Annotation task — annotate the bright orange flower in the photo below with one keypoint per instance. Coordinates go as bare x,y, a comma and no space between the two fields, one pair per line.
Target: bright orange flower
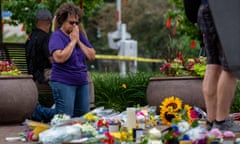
168,24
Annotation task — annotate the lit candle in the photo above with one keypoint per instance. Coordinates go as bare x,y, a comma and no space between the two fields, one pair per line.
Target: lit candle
131,117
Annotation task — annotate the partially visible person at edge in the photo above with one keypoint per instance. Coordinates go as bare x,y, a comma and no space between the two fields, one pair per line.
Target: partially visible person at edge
70,50
219,84
39,60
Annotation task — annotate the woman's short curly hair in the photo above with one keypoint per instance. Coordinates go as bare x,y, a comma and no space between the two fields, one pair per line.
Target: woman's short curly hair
65,10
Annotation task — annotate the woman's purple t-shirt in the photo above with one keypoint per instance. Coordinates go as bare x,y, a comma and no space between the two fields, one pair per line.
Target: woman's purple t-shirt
74,70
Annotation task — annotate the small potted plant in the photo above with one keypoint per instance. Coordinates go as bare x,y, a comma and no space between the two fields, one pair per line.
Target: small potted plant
181,66
18,94
181,77
9,68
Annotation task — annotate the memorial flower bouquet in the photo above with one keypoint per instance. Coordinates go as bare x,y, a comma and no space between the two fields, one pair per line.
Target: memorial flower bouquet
173,111
174,135
183,121
181,66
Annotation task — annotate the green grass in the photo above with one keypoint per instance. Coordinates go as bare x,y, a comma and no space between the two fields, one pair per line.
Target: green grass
15,39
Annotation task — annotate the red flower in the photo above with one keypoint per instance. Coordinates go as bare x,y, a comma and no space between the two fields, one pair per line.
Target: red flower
193,44
23,28
100,123
193,114
180,56
168,24
190,65
109,140
174,31
165,67
198,60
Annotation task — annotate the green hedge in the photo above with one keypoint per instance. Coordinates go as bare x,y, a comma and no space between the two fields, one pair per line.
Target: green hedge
110,93
118,93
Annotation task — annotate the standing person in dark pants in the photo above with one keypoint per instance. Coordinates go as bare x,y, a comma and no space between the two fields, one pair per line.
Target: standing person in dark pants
219,83
70,50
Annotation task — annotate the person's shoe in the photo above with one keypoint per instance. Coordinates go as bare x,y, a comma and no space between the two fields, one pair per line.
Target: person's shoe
53,106
209,125
227,125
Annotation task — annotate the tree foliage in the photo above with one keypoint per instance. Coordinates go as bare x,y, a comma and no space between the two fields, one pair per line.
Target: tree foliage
186,37
24,11
146,22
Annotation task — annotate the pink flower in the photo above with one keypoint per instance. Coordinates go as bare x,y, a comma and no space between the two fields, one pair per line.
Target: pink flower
165,66
228,134
216,133
176,133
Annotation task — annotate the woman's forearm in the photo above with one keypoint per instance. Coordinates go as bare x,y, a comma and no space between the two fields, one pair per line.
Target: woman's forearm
90,53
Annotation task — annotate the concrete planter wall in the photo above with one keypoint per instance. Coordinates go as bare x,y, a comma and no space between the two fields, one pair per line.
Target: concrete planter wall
188,89
18,98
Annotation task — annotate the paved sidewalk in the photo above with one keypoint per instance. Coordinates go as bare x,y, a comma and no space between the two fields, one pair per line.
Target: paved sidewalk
15,130
12,131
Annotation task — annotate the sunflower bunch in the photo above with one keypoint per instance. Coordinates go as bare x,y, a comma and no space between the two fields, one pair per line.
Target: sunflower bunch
181,119
172,112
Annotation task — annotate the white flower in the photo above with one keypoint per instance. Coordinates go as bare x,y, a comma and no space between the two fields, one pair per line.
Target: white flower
183,126
88,129
58,119
154,142
155,133
140,118
195,133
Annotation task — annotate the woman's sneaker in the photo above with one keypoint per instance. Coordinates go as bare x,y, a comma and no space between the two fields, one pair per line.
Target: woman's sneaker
227,125
209,125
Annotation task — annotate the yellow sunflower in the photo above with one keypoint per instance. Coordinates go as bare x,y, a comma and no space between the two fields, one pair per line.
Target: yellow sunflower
188,113
169,110
166,117
173,102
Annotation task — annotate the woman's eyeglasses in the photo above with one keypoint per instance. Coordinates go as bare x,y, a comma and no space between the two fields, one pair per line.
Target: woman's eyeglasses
73,22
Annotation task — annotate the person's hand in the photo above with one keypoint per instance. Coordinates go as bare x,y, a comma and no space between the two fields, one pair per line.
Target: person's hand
74,35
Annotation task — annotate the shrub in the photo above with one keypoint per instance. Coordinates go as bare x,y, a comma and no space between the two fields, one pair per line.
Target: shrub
118,93
236,101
